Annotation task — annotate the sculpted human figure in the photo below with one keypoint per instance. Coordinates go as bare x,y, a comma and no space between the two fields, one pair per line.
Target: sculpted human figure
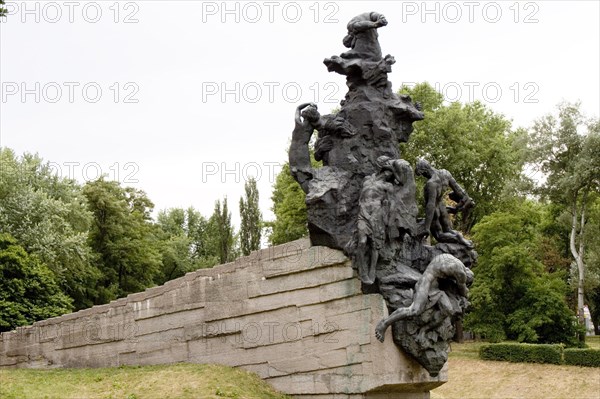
437,222
374,208
444,266
380,216
307,119
362,36
400,218
329,126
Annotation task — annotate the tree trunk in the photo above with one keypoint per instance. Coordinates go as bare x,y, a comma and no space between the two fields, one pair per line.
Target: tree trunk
578,255
459,333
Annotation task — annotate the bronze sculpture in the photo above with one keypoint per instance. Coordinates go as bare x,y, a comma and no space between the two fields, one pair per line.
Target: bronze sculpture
363,200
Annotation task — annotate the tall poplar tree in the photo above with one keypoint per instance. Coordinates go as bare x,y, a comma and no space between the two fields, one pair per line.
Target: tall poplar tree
222,239
251,224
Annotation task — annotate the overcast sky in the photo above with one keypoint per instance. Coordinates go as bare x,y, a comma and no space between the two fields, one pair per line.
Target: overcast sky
186,99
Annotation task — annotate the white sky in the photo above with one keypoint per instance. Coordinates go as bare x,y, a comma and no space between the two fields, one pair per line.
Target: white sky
185,143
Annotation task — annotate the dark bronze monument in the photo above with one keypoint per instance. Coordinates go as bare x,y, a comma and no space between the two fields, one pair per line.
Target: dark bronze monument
363,200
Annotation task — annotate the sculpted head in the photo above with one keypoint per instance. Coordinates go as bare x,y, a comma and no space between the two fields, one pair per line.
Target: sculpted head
383,161
423,168
311,114
403,171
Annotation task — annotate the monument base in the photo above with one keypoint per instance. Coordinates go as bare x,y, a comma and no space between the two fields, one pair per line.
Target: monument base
293,314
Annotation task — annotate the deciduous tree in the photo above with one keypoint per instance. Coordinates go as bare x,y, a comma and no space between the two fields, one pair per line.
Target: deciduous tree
566,150
123,239
513,295
184,243
28,290
47,215
478,146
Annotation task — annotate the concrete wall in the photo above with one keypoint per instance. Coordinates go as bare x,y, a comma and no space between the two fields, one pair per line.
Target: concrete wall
294,314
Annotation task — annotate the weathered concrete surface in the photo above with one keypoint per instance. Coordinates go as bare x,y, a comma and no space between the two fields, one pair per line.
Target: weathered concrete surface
293,314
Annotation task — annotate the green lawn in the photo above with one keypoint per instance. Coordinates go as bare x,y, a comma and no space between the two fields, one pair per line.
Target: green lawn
593,342
187,381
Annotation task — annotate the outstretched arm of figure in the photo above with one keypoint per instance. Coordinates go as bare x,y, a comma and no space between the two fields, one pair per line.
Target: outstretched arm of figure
456,188
464,203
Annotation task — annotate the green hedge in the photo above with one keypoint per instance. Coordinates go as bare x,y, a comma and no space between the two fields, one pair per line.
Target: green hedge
582,357
527,353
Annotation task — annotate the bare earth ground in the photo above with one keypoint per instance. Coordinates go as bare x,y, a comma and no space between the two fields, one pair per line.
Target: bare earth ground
471,378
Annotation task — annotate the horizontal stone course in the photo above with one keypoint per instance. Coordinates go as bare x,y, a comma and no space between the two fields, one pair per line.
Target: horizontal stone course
293,314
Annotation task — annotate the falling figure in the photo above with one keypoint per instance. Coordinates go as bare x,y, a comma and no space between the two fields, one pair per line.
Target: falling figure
444,266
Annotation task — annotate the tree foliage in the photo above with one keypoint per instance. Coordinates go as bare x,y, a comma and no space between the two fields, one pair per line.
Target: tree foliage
513,295
566,150
477,145
48,216
221,233
251,219
98,241
289,208
185,242
28,290
122,237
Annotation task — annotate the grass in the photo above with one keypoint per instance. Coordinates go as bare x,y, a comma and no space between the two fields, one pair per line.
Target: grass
469,378
472,378
593,342
187,381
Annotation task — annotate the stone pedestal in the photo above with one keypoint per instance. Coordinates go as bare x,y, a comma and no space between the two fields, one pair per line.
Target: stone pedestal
293,314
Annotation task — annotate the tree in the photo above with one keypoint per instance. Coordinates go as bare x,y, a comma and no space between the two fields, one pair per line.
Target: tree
513,295
123,239
220,231
28,290
202,252
289,208
471,141
175,248
566,151
251,219
3,10
48,216
185,243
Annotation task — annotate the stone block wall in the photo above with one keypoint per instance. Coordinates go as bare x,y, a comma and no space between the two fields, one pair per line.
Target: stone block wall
293,314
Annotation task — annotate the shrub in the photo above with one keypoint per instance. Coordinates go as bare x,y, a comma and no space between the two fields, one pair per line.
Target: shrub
527,353
582,357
